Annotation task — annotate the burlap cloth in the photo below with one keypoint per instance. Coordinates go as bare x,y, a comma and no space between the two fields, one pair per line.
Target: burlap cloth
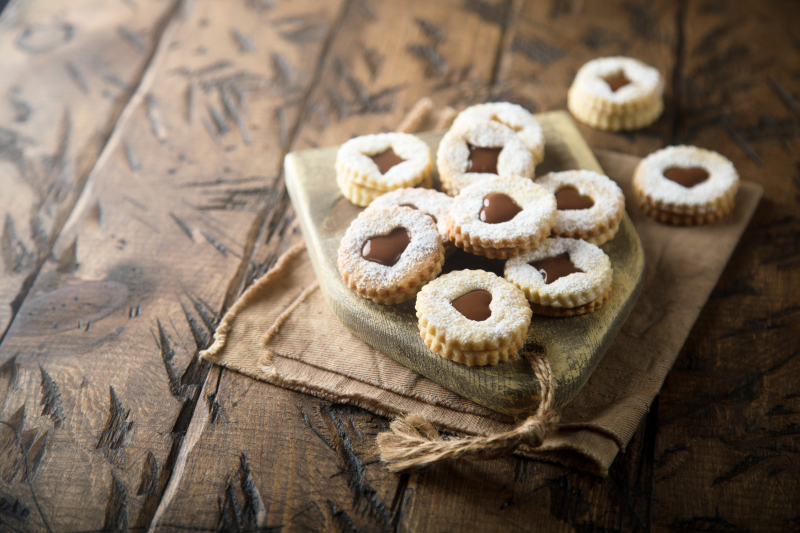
282,332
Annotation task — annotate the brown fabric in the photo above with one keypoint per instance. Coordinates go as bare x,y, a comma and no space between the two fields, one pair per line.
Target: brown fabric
281,331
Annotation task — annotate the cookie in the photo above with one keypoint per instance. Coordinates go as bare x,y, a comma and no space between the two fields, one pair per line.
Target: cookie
389,254
616,93
364,196
382,162
433,203
479,150
562,277
473,317
515,117
685,185
501,217
590,205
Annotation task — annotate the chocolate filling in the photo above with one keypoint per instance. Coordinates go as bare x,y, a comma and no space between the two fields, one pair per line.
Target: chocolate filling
499,207
386,249
617,81
412,206
688,177
386,160
569,198
474,305
553,268
483,159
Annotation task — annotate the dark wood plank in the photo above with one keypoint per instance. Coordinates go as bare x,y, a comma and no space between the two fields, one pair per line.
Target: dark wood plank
67,74
726,454
100,376
549,41
310,465
170,446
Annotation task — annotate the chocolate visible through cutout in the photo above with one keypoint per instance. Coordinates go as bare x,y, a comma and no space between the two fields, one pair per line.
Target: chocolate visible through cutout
474,305
386,160
688,177
617,81
483,160
569,198
386,249
499,207
553,268
412,206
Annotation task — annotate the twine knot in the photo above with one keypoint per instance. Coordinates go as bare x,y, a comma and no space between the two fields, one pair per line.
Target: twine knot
413,441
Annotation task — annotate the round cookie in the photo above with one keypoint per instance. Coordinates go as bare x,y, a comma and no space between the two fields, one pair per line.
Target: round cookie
501,217
590,205
685,185
433,203
515,117
616,93
479,150
389,254
562,277
473,317
382,162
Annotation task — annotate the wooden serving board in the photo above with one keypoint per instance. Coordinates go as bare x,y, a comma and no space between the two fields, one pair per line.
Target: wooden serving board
574,346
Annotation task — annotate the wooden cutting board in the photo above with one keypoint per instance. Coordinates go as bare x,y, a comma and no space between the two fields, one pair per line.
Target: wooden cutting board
574,346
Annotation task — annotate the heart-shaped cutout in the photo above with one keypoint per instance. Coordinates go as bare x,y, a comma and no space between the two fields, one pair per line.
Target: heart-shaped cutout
474,305
688,177
386,249
617,81
482,159
554,268
499,207
386,160
569,198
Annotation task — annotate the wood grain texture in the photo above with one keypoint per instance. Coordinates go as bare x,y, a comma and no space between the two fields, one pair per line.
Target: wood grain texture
105,345
360,88
67,74
725,452
313,466
548,42
166,237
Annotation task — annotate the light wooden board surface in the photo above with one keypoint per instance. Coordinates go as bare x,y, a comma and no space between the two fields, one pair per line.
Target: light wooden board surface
573,347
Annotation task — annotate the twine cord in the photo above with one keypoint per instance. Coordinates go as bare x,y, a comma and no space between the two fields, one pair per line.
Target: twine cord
414,443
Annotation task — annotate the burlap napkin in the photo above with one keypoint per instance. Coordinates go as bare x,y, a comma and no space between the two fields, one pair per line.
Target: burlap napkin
281,331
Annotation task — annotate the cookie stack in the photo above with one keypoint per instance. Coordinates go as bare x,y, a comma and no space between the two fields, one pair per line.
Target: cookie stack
685,185
616,93
473,317
484,142
372,165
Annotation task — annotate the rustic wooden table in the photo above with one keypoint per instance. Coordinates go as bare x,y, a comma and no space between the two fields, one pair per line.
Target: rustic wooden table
141,145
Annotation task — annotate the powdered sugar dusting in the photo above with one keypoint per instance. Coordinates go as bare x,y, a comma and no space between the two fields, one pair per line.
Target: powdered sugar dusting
595,278
645,81
452,157
354,160
649,177
426,200
510,309
538,207
609,201
425,244
512,115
